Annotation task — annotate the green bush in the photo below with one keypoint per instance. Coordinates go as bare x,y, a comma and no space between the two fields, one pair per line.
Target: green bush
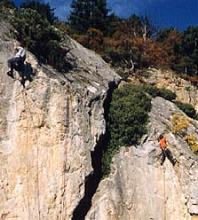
167,94
40,37
7,4
171,96
42,8
188,109
128,116
6,9
164,93
196,117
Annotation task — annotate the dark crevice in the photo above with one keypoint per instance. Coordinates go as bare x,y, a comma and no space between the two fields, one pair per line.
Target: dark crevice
92,181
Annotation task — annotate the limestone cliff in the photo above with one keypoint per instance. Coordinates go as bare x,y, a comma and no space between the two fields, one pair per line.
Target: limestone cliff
51,136
48,131
139,187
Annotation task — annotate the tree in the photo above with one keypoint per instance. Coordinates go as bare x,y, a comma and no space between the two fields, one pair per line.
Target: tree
170,41
88,14
7,3
42,8
134,26
147,28
187,52
163,34
41,38
189,48
112,24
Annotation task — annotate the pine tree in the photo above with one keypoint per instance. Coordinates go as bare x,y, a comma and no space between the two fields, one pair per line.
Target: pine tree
42,8
189,51
87,14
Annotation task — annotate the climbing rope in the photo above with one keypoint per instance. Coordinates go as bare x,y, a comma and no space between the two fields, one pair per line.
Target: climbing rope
164,169
25,196
27,179
24,94
62,217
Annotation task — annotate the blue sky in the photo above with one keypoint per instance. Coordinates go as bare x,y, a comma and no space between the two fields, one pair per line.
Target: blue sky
163,13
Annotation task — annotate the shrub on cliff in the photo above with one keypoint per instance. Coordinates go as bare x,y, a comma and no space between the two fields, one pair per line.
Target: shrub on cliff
7,4
42,8
128,116
188,109
40,37
192,142
164,93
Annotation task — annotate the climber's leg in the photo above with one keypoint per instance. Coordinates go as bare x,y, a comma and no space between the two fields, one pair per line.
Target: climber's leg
14,63
11,66
170,157
163,157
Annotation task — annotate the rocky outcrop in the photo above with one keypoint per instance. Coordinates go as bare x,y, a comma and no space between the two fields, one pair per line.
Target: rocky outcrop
48,130
139,187
186,92
51,136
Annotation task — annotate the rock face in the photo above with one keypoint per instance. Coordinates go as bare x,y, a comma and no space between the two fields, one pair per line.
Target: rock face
140,188
47,132
185,91
50,129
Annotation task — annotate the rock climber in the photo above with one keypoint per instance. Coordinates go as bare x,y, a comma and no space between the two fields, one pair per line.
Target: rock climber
17,61
165,151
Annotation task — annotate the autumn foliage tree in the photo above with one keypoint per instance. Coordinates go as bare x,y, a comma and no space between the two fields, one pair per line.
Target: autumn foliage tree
132,42
170,41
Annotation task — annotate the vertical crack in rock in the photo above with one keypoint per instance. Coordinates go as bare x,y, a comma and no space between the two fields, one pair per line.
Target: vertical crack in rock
92,181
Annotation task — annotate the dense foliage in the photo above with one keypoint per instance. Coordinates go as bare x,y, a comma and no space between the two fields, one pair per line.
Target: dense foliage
127,120
40,37
188,109
88,14
7,3
43,9
164,93
133,40
123,42
189,51
6,7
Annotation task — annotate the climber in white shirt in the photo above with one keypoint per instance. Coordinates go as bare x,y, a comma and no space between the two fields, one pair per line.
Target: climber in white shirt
17,61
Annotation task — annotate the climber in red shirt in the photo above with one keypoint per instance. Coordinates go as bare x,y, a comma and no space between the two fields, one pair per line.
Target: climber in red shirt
165,151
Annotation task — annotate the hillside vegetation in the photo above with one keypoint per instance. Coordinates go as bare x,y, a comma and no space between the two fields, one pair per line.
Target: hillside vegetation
129,43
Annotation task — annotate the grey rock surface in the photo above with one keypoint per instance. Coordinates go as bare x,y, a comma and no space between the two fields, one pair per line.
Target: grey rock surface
139,187
47,132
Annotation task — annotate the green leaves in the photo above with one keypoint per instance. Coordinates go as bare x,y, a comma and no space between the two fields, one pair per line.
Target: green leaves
7,3
88,14
188,109
128,116
164,93
40,37
188,52
42,8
